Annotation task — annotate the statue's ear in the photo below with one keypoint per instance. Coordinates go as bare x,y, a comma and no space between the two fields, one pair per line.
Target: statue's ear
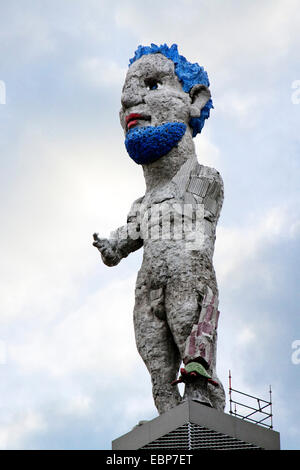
200,95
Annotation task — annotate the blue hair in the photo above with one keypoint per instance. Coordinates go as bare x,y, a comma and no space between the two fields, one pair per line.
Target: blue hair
188,74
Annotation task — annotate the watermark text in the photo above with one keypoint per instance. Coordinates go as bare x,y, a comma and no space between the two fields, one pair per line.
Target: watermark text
2,92
296,354
166,221
296,94
3,353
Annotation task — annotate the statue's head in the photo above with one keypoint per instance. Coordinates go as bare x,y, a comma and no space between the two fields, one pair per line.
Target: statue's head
164,97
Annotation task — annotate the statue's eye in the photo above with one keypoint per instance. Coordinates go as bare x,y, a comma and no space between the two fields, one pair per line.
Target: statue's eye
152,84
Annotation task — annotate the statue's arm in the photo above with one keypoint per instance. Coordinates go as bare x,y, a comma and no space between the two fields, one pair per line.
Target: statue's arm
213,202
122,241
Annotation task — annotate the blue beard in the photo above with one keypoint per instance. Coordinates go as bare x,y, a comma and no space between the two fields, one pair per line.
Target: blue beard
148,144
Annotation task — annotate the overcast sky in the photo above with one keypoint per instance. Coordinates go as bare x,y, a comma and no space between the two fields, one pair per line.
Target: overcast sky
70,375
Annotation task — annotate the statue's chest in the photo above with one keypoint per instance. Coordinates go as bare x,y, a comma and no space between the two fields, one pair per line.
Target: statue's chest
193,189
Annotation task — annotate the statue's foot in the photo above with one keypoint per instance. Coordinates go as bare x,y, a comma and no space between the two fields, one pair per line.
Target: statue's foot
217,396
197,390
192,372
196,379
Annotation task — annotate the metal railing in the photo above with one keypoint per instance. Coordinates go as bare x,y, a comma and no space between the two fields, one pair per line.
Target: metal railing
261,410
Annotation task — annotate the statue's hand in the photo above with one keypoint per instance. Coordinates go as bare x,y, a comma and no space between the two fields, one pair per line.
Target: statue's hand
108,253
100,243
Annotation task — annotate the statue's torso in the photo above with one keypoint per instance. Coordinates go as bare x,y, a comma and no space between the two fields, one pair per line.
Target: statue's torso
173,216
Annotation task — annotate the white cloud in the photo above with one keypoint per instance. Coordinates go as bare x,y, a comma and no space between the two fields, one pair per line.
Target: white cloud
207,153
245,107
246,336
51,212
46,28
295,229
12,433
100,72
238,246
26,28
48,254
97,337
79,405
261,31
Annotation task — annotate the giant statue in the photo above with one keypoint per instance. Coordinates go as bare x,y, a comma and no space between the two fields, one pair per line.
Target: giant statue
165,102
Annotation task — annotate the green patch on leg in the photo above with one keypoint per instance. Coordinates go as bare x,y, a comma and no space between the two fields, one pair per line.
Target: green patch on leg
198,368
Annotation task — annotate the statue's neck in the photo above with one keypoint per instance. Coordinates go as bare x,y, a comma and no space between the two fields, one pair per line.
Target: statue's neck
161,171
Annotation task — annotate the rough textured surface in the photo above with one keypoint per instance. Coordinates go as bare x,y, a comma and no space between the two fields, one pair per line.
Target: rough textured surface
188,74
148,144
176,296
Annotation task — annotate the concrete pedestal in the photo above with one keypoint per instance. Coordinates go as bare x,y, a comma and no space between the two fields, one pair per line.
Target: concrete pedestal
192,426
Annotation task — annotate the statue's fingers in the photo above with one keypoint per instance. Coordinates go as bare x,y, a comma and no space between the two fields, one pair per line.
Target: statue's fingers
99,241
100,244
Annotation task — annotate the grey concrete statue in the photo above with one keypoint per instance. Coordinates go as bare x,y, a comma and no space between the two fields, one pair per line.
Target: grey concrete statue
165,101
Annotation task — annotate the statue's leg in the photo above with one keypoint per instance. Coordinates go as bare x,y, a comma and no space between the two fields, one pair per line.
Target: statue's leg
185,312
216,394
183,306
158,350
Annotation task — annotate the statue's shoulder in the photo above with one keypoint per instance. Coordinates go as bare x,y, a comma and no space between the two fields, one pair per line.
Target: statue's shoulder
209,172
138,200
135,209
137,204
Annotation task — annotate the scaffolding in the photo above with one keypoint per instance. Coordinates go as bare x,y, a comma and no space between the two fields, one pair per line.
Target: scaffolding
260,410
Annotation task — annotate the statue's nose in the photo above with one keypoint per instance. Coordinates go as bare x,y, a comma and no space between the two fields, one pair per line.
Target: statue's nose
131,96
